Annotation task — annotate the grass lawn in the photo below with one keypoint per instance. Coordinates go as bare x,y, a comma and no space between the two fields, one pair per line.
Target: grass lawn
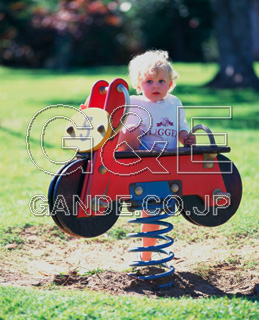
23,93
19,304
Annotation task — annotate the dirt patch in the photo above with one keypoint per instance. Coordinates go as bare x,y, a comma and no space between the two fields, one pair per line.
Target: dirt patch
202,269
185,284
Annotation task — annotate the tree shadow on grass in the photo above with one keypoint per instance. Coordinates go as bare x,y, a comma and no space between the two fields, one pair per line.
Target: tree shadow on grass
23,136
116,71
16,134
241,119
218,96
244,103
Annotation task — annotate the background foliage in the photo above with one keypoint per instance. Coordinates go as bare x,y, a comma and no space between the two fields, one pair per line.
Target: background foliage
64,33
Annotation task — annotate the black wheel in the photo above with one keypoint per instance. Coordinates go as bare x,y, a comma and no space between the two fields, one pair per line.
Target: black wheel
187,217
67,188
50,197
194,203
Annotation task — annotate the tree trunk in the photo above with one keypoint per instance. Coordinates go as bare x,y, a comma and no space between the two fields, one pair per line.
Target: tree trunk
233,31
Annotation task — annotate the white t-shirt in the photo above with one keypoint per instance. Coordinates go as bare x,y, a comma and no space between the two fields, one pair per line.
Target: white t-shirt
157,121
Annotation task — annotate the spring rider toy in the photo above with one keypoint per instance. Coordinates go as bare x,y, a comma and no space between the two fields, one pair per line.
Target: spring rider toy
87,195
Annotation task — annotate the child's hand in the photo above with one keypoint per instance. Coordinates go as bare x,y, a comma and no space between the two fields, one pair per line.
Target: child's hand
185,140
188,141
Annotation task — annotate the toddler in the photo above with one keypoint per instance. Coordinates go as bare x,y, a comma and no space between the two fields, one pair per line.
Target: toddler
156,120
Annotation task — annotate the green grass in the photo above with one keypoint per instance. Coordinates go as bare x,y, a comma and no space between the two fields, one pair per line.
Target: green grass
22,94
17,303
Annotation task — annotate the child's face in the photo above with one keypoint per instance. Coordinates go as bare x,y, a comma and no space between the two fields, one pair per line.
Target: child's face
155,86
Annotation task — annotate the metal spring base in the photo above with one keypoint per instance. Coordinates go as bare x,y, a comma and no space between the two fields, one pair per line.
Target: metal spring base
158,234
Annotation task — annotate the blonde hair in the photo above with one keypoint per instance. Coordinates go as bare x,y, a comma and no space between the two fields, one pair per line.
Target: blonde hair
149,62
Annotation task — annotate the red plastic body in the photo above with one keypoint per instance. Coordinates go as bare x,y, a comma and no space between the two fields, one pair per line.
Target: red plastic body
114,184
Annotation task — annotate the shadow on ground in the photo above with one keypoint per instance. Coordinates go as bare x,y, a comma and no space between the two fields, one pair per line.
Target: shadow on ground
185,284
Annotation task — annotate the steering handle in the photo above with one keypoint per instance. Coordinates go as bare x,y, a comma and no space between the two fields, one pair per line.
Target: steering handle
123,89
204,128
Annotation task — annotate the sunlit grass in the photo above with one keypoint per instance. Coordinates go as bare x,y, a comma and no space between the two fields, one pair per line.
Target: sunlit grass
17,303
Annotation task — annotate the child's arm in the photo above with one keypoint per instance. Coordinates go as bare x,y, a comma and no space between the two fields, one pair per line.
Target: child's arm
183,127
182,137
